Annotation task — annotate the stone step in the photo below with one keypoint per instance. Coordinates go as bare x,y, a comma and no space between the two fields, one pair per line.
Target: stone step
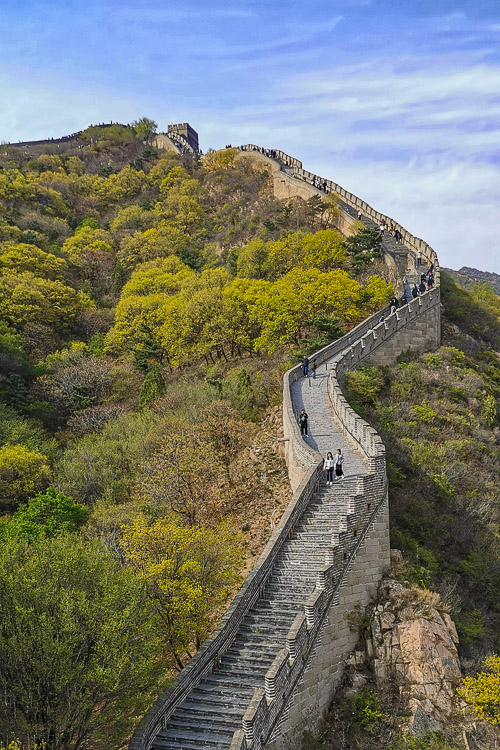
251,660
183,739
224,722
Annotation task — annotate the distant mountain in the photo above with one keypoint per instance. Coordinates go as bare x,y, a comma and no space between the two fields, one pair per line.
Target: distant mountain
467,276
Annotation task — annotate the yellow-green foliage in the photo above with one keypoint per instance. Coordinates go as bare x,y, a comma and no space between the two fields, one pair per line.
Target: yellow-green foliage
26,298
23,257
189,572
22,472
194,315
223,159
482,692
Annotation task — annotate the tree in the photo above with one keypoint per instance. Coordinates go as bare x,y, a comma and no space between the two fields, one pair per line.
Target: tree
144,128
223,159
46,515
23,257
147,351
482,692
25,298
366,240
159,242
189,573
183,474
323,250
22,472
102,466
314,208
252,260
77,644
153,387
221,426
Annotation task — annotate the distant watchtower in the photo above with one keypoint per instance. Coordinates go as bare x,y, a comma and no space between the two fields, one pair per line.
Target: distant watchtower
186,132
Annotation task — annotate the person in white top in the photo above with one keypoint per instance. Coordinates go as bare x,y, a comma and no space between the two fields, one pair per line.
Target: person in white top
328,466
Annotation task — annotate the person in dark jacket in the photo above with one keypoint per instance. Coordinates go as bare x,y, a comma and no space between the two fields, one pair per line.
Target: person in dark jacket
414,291
303,422
421,287
339,460
305,366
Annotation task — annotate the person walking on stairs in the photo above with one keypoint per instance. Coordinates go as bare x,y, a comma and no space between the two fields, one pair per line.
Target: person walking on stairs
328,466
305,366
414,291
339,460
303,423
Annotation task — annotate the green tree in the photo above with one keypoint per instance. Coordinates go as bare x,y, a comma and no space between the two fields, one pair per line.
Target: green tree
144,128
189,573
153,387
147,351
22,472
46,515
77,644
366,240
23,257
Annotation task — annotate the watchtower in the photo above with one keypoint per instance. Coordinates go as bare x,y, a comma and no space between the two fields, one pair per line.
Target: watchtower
188,133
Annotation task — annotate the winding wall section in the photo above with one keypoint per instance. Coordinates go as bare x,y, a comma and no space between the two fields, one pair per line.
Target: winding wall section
271,667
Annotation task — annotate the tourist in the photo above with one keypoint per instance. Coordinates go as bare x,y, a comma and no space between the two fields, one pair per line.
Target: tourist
419,258
359,215
313,369
393,302
430,281
303,422
421,287
339,460
381,319
328,466
414,291
305,366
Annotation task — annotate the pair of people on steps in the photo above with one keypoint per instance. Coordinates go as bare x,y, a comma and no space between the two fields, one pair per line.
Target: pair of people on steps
332,464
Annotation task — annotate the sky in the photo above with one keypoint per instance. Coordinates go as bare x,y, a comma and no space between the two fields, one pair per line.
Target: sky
397,101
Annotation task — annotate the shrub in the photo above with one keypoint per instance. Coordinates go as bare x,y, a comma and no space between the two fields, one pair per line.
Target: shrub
22,472
483,691
46,515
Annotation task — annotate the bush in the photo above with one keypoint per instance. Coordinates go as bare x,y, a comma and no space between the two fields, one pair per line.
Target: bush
22,472
46,515
483,691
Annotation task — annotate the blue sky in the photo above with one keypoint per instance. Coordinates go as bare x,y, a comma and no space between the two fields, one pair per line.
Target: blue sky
399,102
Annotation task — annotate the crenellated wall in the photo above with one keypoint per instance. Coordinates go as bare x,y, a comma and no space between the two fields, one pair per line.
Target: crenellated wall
301,681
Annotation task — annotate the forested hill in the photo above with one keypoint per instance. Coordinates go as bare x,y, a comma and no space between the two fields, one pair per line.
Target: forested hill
149,304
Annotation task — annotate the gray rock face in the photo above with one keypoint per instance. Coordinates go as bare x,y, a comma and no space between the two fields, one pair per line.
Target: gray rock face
416,644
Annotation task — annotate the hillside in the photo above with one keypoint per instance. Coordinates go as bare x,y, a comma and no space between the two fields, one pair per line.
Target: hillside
149,304
468,277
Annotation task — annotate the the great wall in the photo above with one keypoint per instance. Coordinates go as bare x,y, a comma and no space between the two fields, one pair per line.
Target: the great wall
271,668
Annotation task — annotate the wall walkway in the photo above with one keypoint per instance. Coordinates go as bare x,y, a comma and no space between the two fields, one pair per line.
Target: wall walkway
269,671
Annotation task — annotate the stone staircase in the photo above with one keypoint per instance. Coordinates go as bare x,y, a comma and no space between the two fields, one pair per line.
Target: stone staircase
214,710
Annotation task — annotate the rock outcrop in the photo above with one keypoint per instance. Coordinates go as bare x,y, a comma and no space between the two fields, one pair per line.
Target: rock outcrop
410,639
